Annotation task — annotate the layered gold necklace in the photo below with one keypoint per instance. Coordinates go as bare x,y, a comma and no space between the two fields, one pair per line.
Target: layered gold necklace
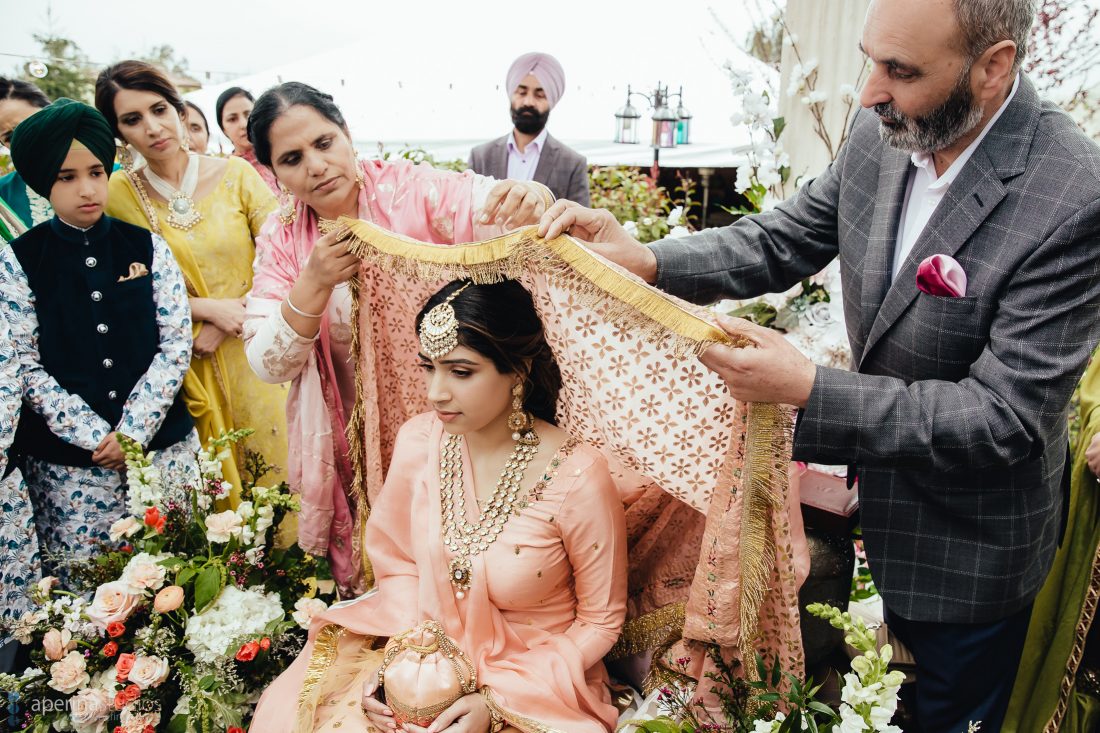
461,537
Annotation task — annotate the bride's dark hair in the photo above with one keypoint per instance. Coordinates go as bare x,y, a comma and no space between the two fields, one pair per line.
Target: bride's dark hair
499,322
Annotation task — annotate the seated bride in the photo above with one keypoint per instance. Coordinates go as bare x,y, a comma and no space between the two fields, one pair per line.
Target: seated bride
498,545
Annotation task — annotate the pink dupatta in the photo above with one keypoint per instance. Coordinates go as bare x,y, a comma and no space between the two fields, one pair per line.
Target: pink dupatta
416,200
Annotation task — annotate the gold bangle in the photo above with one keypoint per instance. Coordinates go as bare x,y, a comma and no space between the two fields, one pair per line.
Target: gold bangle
548,197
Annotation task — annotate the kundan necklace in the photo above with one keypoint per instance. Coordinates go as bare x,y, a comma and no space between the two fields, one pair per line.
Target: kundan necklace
182,212
461,537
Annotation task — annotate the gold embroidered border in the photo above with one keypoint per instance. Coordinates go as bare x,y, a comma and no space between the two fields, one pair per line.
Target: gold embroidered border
649,631
324,654
525,724
1084,622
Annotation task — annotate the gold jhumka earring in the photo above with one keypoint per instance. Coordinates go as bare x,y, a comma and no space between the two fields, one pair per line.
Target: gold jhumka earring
521,422
288,211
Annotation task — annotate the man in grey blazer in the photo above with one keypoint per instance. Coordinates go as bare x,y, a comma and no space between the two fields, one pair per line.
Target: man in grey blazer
535,83
954,414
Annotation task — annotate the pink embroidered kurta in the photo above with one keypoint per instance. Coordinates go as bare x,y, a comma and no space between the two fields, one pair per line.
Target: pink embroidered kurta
415,200
547,599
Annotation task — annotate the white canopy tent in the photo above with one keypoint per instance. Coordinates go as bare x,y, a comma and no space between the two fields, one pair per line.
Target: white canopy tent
422,82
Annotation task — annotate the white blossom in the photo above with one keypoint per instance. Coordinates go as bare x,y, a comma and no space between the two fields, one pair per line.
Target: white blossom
236,613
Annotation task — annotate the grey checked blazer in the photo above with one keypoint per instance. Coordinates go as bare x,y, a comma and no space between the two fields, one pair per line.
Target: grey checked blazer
561,169
955,414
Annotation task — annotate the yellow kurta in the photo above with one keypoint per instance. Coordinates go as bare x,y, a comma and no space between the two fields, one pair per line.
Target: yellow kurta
222,393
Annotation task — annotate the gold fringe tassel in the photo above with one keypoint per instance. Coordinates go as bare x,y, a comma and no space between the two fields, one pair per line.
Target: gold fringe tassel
649,631
767,455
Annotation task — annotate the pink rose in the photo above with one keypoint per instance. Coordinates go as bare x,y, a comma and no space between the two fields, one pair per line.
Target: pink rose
144,573
69,674
88,707
57,644
305,609
169,599
113,602
125,527
149,672
221,527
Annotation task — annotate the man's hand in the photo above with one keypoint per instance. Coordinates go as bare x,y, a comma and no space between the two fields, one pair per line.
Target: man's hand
514,204
603,233
109,454
1092,455
770,370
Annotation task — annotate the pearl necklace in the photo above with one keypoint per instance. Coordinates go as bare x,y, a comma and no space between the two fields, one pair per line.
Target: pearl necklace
461,537
182,212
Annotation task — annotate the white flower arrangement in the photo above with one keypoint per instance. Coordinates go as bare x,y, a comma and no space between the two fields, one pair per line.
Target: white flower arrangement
236,613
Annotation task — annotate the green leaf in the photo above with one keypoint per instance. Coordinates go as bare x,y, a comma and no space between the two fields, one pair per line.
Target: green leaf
821,708
208,683
178,724
209,586
761,670
779,124
776,671
768,697
185,575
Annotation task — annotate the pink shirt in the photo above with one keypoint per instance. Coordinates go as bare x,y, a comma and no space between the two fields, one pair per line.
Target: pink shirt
521,166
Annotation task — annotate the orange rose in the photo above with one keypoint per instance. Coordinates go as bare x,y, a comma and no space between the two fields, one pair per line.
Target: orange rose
110,649
123,666
116,629
168,599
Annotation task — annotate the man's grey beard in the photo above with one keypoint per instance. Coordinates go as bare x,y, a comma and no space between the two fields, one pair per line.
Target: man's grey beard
937,130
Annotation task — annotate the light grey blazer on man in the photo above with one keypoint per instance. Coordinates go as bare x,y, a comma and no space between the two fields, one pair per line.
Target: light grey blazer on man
955,414
561,169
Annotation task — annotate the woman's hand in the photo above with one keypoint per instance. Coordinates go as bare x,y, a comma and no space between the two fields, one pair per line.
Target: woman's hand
1092,455
514,204
330,263
209,339
468,714
225,313
380,716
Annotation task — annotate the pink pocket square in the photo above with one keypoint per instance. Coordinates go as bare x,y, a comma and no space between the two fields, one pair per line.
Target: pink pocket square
941,275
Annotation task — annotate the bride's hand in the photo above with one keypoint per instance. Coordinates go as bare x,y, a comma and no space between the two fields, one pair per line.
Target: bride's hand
380,716
469,714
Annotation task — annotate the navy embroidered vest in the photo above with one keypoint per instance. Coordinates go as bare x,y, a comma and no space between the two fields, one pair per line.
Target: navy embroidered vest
96,335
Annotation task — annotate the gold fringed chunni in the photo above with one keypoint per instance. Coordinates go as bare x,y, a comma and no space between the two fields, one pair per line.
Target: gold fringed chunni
626,301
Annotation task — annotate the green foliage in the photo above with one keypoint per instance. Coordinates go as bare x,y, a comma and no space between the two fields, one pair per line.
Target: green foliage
69,73
420,155
631,195
164,57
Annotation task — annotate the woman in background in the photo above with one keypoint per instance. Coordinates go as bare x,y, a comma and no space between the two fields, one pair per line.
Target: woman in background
20,207
232,110
198,130
209,210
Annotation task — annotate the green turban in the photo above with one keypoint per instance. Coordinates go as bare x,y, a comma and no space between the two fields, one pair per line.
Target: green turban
41,142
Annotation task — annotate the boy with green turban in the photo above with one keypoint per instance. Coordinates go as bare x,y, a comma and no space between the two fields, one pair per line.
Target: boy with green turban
102,329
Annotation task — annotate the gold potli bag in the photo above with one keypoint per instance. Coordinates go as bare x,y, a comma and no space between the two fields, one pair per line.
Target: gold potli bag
423,673
633,388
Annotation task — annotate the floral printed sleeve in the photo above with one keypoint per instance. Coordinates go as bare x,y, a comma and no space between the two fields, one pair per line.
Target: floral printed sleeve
68,416
148,403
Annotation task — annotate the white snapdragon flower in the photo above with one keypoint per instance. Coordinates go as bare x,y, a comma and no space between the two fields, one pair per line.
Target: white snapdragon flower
675,215
631,228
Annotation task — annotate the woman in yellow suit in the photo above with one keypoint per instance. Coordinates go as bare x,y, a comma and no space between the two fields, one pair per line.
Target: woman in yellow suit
209,210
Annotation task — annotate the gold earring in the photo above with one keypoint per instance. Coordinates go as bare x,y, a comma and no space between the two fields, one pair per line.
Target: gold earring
359,180
125,158
288,210
521,422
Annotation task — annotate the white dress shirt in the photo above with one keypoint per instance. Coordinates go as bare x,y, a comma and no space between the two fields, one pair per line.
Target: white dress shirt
925,191
521,166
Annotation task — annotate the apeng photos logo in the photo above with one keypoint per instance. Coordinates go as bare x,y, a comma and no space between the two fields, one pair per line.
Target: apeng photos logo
19,707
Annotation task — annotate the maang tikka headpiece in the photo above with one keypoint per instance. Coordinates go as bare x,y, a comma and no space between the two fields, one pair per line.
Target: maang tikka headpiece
439,329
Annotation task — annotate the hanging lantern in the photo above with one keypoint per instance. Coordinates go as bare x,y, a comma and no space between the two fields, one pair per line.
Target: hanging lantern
683,122
664,122
626,122
37,69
